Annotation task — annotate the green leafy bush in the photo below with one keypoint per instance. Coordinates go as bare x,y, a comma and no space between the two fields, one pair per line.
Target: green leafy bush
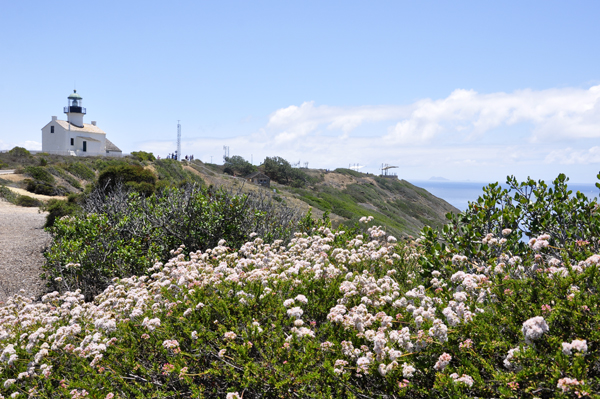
143,156
39,173
528,210
133,176
121,233
57,208
281,171
82,171
19,152
27,201
237,165
7,194
41,187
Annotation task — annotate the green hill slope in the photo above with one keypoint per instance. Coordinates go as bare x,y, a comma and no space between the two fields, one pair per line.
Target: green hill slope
346,195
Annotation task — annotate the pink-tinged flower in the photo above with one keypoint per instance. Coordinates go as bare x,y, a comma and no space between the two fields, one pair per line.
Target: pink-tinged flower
465,379
403,384
585,308
167,368
170,344
443,361
565,384
145,336
110,396
183,372
466,344
513,385
233,395
230,335
508,292
546,309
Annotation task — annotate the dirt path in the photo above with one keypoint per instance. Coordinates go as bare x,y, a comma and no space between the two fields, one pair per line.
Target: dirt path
22,241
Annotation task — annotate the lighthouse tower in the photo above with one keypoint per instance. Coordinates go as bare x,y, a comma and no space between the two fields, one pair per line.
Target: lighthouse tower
74,110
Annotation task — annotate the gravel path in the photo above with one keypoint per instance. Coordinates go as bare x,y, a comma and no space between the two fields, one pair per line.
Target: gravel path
22,241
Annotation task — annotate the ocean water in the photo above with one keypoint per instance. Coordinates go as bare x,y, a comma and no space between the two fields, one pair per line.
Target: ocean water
460,194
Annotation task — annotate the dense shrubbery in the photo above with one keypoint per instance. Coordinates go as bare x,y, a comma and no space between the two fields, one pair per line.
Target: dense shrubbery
134,177
121,233
143,156
281,171
19,152
236,165
58,208
333,314
82,171
39,173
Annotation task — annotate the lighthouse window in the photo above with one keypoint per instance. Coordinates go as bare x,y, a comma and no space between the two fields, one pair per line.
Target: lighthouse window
72,141
51,129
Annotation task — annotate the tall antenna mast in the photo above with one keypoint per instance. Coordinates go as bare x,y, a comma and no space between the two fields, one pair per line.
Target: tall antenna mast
178,141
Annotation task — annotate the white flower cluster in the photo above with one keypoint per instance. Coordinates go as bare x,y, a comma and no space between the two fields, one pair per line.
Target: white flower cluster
508,361
575,345
540,242
465,379
443,361
534,328
565,384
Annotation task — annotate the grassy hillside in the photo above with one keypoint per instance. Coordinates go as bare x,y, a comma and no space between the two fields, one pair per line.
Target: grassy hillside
346,195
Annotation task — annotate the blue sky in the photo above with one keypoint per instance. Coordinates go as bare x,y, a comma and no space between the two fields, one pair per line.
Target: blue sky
466,90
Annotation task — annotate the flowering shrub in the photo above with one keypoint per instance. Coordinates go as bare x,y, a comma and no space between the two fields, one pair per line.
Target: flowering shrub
329,315
121,233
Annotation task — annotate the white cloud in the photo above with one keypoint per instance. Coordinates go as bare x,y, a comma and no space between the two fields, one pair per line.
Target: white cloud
465,134
464,115
569,156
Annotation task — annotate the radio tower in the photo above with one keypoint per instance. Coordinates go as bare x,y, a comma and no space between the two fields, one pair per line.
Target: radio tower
178,141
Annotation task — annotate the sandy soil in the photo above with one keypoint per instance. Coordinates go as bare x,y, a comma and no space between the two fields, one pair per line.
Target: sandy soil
22,242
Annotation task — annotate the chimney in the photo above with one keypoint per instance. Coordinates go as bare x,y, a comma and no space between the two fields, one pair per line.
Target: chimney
53,118
94,123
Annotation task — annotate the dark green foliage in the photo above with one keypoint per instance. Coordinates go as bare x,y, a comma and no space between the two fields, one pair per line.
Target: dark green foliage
529,209
43,162
121,234
39,173
19,152
8,195
81,170
143,156
58,171
58,208
236,165
3,165
133,176
27,201
41,187
281,171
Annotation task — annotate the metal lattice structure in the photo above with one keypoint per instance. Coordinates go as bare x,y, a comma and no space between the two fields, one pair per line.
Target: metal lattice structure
385,168
178,141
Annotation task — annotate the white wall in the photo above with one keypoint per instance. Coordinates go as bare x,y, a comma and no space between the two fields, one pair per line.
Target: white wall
57,141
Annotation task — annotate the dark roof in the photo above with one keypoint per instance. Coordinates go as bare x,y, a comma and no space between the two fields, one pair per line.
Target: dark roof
111,147
256,174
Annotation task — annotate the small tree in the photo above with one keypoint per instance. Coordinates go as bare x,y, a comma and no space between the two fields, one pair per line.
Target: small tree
281,171
238,165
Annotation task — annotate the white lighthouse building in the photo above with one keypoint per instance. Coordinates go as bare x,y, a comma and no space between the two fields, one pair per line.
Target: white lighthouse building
73,137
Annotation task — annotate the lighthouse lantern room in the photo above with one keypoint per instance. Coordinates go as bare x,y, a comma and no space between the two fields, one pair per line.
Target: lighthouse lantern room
74,109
